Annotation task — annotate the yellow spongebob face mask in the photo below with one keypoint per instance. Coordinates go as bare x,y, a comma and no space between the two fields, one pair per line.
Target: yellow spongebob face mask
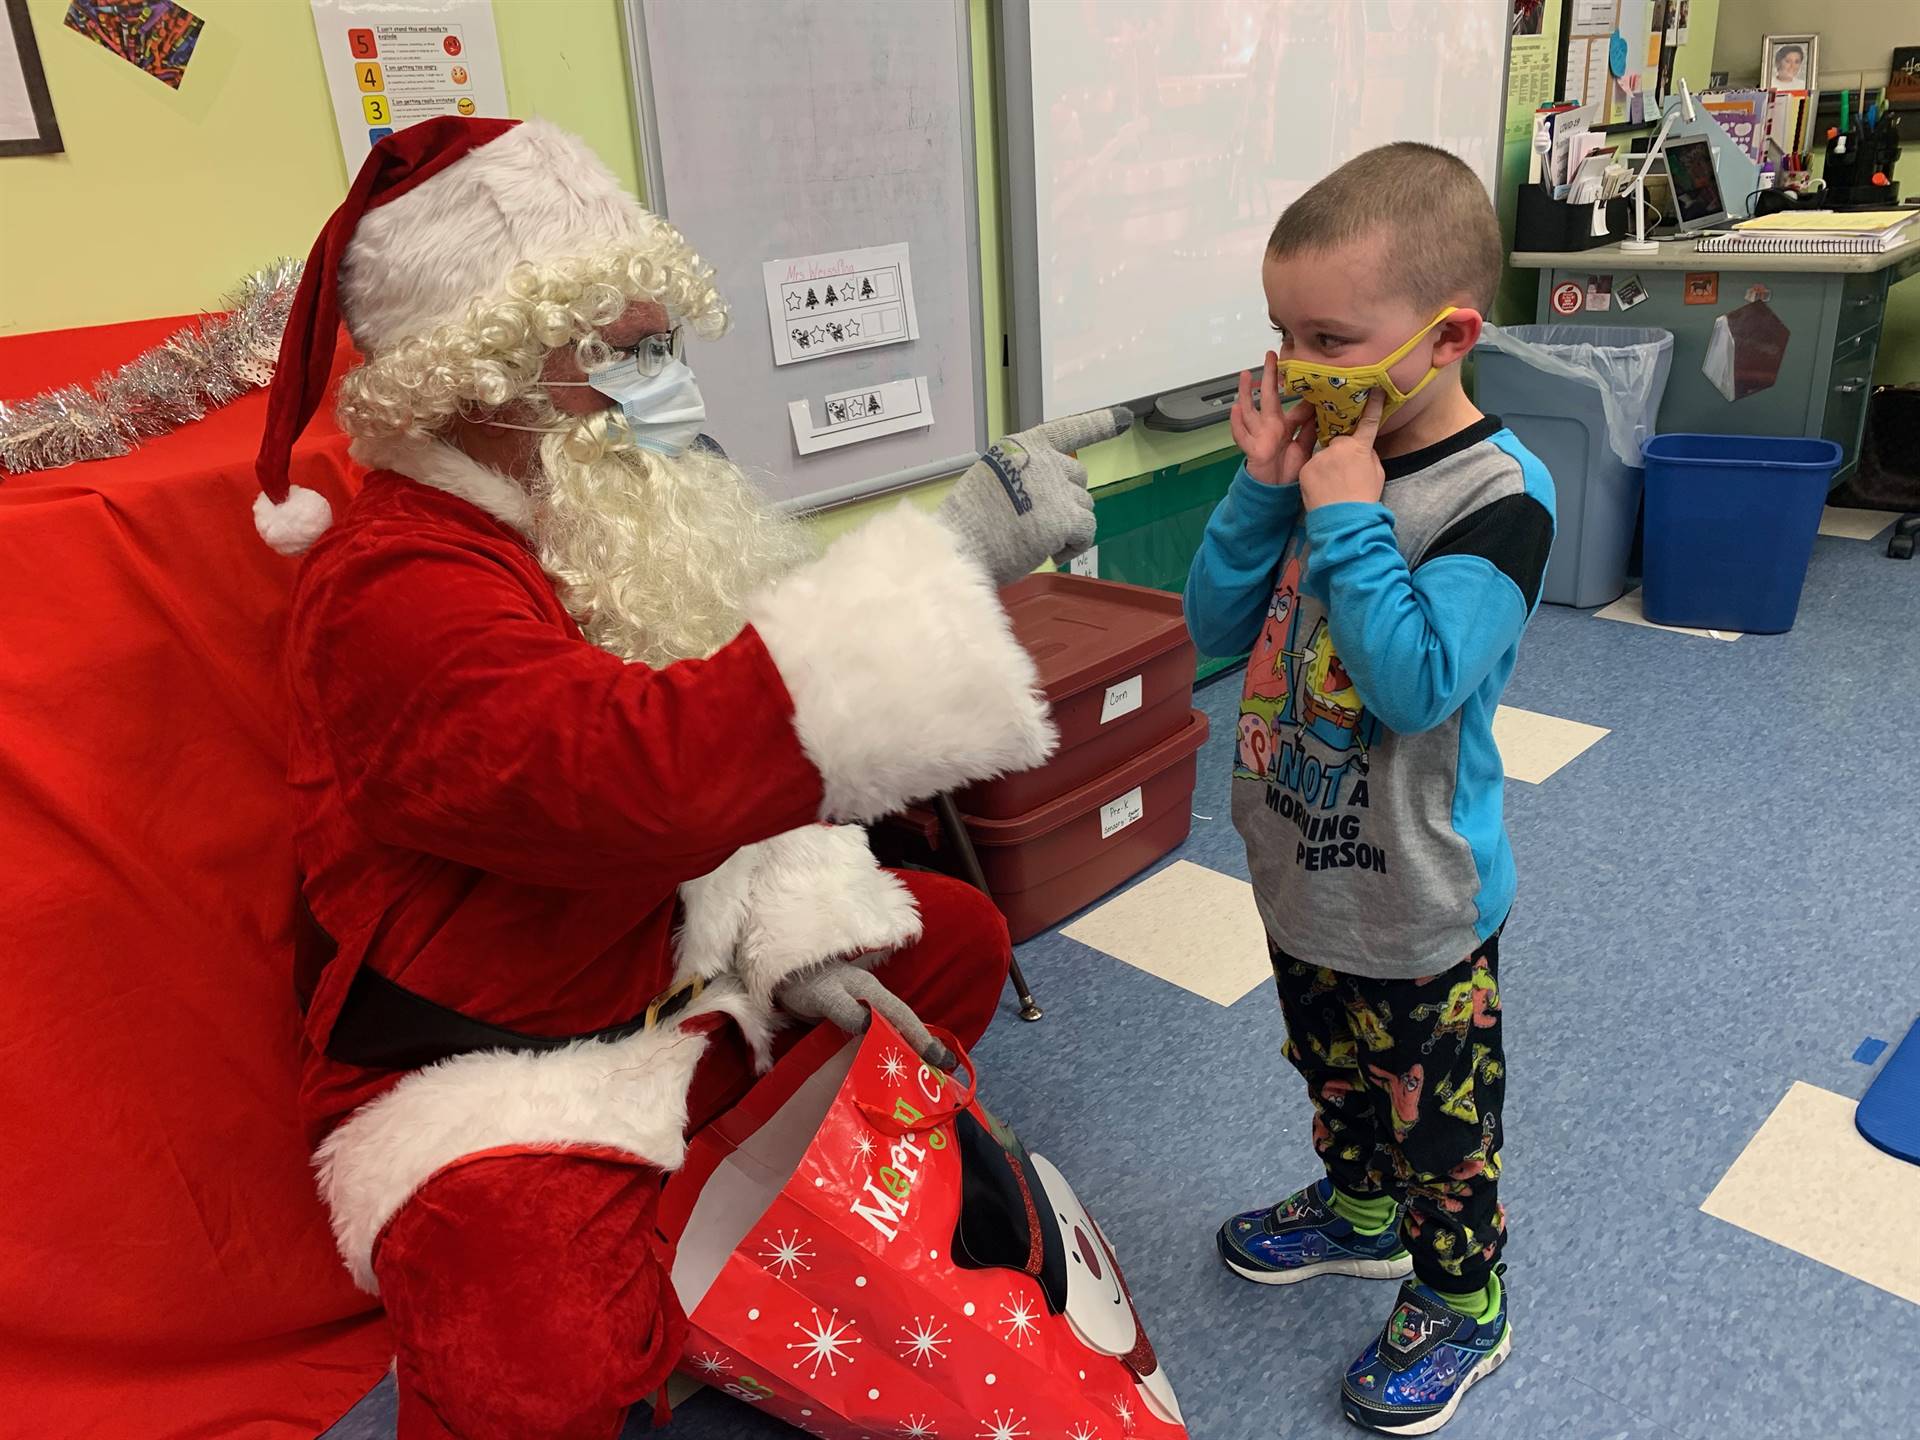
1338,393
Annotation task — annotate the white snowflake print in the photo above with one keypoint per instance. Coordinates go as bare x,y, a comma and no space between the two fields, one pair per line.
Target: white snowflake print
1022,1315
1007,1426
1123,1407
1083,1431
828,1343
711,1363
925,1341
893,1065
786,1253
863,1150
918,1427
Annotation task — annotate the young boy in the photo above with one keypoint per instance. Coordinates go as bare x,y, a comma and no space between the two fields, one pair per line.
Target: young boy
1382,582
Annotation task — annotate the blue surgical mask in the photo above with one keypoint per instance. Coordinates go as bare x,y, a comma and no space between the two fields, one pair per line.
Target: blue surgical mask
663,411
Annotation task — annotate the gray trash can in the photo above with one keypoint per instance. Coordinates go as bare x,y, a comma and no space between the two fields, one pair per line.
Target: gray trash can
1582,398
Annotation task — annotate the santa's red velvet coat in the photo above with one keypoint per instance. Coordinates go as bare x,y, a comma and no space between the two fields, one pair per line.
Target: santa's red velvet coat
512,822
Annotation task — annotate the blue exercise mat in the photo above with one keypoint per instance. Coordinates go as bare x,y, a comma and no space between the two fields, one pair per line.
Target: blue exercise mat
1889,1113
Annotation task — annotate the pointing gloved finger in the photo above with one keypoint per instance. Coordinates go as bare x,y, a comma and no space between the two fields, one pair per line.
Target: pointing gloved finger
1090,427
900,1015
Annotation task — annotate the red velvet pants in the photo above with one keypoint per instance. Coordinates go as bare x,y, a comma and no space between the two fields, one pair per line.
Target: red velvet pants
529,1293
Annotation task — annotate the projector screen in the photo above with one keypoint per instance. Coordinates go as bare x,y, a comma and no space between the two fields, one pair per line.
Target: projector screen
1166,136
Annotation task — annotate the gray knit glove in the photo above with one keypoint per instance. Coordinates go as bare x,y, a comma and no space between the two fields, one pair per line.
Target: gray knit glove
1026,499
841,993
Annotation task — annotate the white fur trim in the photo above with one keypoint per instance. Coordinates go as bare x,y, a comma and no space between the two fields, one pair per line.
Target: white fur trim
535,194
715,909
438,464
629,1095
295,523
905,676
819,895
793,903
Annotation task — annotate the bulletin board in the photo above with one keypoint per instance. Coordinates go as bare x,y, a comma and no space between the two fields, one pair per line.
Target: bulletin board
834,137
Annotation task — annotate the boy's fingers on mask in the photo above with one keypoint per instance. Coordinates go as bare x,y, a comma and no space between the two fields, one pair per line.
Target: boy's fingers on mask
1370,414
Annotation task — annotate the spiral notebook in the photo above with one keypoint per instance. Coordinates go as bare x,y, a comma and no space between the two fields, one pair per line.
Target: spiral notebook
1802,244
1815,232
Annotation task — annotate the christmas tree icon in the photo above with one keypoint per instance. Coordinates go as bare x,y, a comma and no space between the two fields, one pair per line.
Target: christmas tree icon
813,300
830,296
866,289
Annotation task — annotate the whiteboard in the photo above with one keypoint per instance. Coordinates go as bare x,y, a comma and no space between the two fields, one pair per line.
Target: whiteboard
776,129
1151,145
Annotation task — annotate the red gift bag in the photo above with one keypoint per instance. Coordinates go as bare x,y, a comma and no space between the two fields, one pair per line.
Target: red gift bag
864,1250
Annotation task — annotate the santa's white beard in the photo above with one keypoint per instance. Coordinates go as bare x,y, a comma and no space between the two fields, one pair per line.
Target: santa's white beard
654,556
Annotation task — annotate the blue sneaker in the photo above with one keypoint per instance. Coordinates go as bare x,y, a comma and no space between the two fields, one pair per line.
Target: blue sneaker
1302,1237
1410,1380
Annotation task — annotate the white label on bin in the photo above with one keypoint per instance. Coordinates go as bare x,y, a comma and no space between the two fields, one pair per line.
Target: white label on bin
1087,564
1117,815
1122,699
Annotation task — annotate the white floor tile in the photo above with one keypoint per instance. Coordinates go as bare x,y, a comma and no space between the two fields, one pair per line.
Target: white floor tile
1848,524
1627,610
1809,1182
1534,746
1188,925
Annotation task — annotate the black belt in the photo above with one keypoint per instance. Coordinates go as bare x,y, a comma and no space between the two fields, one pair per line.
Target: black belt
385,1026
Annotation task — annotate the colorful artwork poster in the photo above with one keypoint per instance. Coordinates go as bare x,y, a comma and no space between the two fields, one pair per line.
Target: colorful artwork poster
156,35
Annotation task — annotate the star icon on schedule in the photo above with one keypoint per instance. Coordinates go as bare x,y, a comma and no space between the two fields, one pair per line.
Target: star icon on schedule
794,302
846,291
828,1343
853,327
1006,1426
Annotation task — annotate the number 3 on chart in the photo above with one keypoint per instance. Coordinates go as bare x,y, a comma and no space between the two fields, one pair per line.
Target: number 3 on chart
375,107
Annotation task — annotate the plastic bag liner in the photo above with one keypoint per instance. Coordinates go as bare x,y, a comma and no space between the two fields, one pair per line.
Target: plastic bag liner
1627,365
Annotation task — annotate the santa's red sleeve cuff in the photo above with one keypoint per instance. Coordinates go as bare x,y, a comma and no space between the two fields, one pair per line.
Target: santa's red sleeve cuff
905,677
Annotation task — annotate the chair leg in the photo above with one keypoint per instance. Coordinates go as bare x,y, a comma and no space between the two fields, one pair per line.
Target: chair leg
955,829
1900,543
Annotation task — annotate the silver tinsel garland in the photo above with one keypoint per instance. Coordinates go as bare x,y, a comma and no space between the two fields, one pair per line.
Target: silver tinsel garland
216,359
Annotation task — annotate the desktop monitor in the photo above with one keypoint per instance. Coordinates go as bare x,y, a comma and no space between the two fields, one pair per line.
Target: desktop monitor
1694,183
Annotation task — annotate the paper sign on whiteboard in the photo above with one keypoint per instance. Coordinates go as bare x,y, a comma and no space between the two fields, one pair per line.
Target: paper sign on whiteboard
867,414
849,300
394,63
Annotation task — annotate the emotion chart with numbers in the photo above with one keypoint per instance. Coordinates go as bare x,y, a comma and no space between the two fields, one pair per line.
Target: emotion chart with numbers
392,65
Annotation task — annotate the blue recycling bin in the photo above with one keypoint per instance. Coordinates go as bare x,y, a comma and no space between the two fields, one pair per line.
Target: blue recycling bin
1730,527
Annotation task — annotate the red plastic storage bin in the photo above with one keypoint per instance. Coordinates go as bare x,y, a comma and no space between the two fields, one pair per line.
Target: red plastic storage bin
1044,865
1117,666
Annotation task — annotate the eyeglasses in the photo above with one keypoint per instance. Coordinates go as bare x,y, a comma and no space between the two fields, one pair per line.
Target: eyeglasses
652,353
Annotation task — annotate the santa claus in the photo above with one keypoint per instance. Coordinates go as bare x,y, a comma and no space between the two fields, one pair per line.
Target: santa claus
582,738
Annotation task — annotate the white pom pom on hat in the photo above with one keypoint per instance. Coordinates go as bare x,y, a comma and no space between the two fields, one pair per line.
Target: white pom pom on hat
292,526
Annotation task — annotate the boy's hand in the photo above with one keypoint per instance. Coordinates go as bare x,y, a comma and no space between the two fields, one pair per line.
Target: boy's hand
1348,469
1275,442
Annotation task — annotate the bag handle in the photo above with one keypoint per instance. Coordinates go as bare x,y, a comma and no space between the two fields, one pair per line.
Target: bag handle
908,1119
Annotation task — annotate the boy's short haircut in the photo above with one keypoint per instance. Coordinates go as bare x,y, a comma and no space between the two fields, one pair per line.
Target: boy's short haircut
1443,240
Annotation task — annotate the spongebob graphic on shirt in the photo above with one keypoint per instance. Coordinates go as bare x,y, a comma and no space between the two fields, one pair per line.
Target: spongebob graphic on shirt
1303,728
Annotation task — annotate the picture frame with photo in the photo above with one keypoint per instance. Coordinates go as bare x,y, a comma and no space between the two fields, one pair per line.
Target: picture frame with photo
1790,62
27,126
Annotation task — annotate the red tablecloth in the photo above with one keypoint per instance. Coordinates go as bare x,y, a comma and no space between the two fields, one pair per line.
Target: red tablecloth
165,1267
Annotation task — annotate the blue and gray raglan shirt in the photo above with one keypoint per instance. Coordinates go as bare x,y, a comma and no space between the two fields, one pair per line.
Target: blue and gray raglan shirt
1366,781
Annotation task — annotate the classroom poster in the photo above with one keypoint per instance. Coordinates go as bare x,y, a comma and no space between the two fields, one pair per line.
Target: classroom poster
394,63
26,109
156,36
1529,83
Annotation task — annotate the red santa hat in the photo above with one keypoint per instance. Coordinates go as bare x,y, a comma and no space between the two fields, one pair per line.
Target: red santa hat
438,217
